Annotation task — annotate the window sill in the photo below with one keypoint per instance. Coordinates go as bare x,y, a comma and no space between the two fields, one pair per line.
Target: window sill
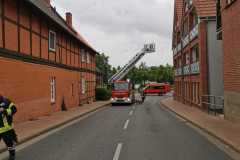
52,50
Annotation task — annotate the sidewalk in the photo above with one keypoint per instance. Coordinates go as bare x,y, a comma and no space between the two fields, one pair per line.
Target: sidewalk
227,132
31,129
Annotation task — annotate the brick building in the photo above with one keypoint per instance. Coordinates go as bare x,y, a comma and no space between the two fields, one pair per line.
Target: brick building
228,30
43,60
197,52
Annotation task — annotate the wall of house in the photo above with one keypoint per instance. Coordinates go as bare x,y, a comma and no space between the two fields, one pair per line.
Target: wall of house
202,39
215,60
27,64
231,49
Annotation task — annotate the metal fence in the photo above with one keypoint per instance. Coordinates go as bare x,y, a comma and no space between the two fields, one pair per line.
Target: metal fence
213,103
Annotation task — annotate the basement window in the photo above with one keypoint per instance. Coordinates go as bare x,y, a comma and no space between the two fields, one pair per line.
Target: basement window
52,41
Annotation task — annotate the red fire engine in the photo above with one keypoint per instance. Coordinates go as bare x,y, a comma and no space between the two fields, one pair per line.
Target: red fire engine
122,91
157,88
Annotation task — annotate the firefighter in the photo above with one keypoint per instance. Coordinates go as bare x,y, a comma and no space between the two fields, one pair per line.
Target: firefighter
7,133
143,96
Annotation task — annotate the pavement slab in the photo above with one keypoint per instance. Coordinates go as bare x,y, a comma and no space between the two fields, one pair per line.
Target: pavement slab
226,131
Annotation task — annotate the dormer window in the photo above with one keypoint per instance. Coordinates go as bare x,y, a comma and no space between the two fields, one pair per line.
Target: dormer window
52,41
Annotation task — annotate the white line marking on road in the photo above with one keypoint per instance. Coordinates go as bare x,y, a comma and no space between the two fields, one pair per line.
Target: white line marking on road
26,144
118,151
130,113
126,124
133,107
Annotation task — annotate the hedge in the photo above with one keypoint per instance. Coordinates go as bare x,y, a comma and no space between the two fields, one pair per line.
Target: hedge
102,94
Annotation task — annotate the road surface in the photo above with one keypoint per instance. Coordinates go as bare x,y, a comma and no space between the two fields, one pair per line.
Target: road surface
139,132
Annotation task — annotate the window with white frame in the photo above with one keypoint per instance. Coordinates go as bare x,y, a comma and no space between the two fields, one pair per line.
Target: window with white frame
83,86
195,54
195,19
52,41
229,1
88,58
180,62
83,56
53,89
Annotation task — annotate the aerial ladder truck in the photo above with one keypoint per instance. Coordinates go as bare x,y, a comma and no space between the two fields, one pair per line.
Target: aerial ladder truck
122,90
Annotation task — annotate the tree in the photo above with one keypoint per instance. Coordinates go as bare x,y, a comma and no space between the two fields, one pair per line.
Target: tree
102,63
139,75
143,73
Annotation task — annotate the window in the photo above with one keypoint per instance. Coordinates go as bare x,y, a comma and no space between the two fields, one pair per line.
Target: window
187,59
180,63
219,15
88,58
83,56
195,54
121,86
186,4
83,86
185,28
53,89
229,1
52,41
194,20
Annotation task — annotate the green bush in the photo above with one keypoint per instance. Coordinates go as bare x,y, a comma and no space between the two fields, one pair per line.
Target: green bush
102,94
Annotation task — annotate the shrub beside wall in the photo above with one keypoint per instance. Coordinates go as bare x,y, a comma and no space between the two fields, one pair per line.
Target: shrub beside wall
102,94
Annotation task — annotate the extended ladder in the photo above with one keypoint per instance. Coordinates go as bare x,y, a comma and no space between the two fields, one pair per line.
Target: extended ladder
148,48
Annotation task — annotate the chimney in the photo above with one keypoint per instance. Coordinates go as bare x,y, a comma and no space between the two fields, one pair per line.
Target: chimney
69,19
48,2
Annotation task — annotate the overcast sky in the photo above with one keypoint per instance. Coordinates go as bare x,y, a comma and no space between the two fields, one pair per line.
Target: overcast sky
119,28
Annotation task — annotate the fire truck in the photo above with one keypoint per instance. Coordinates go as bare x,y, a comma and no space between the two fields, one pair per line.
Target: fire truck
122,90
157,88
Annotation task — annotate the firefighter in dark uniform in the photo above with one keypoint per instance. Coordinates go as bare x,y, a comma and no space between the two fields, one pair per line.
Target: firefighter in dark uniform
7,133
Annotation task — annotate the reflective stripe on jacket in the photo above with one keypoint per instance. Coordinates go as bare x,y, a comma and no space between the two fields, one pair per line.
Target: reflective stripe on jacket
6,117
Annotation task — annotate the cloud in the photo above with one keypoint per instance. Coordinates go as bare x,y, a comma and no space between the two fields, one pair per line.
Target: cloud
120,28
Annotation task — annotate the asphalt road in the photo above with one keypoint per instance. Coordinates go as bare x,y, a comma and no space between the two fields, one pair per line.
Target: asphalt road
139,132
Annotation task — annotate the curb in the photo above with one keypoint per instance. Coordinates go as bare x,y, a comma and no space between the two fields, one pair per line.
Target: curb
203,129
57,126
